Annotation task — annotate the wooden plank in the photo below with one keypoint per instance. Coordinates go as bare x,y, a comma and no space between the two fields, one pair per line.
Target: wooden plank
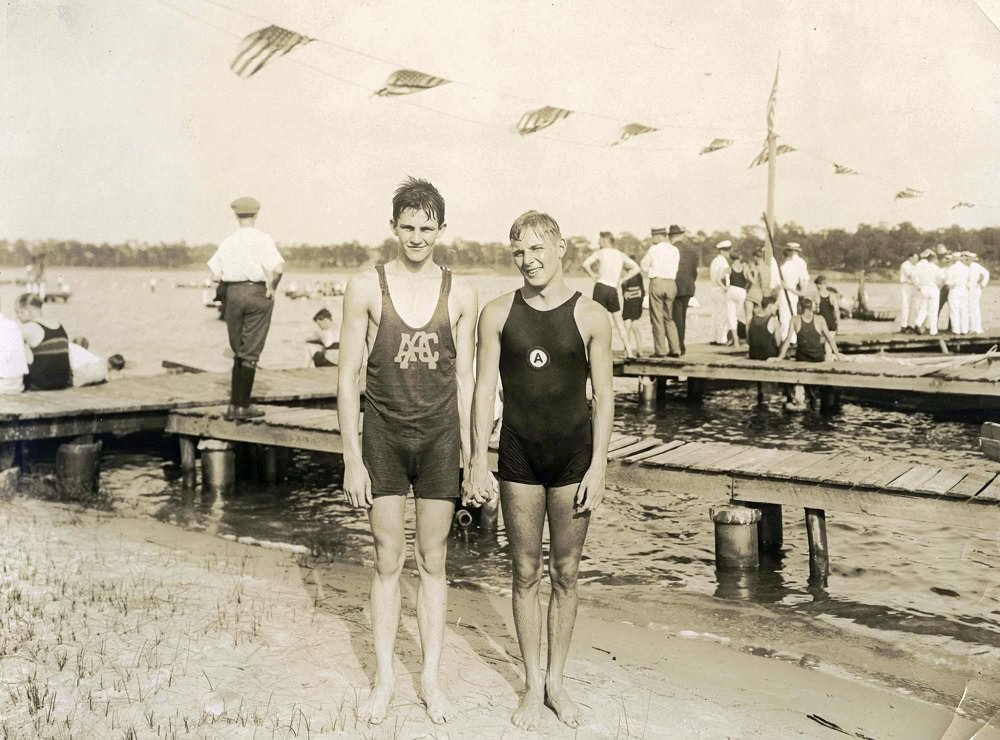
972,483
810,471
857,472
256,432
733,462
709,461
635,448
841,463
876,503
762,461
788,466
304,418
912,478
886,474
655,451
991,492
620,440
691,450
941,483
990,447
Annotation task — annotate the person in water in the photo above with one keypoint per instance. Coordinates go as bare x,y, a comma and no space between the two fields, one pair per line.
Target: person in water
812,339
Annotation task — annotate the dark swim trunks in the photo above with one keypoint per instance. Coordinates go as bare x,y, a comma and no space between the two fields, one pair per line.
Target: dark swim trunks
607,297
551,463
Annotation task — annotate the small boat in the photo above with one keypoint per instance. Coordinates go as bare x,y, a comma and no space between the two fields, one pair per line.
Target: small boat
989,440
861,312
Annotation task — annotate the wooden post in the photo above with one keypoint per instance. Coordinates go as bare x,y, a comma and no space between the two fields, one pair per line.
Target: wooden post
695,390
661,389
647,390
770,532
189,472
819,553
273,463
78,467
735,537
218,466
8,455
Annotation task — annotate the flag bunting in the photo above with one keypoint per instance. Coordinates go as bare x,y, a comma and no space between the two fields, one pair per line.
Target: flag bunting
908,193
536,120
716,145
259,47
963,204
633,129
408,81
839,169
778,151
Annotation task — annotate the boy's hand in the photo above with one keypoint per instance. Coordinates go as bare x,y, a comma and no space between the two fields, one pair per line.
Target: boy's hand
479,487
357,485
591,491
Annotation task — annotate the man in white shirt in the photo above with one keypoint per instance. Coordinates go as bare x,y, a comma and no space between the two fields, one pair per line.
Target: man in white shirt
957,279
979,278
718,273
795,279
929,278
660,266
13,357
908,293
86,367
249,267
605,266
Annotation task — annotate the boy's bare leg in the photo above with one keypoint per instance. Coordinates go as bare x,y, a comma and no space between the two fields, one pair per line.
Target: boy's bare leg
567,533
431,549
386,518
524,515
619,323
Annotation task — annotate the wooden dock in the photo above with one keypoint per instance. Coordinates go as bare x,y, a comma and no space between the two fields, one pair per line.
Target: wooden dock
977,377
851,344
139,404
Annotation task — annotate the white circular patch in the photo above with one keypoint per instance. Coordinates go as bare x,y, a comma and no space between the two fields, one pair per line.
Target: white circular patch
538,358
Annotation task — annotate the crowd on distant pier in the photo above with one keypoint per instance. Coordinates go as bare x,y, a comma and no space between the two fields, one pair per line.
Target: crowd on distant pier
937,280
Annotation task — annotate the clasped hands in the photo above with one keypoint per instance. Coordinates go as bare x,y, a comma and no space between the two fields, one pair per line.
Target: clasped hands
479,486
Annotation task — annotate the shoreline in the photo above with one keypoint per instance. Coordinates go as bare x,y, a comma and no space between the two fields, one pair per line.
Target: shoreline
115,623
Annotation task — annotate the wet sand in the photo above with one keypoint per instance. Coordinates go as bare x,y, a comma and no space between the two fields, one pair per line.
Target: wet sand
110,625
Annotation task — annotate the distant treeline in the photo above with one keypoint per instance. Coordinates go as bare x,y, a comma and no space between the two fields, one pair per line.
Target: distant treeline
875,248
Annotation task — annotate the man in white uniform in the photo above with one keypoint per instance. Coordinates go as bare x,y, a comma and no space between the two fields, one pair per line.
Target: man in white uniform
13,357
908,293
795,279
605,266
929,278
718,273
249,266
979,278
957,279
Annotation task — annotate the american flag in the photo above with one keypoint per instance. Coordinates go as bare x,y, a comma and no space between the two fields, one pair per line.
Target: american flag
716,145
633,129
536,120
839,169
908,193
407,81
259,47
778,151
772,100
963,204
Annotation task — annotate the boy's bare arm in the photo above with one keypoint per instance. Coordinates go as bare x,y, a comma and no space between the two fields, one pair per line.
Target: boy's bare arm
478,482
465,348
597,326
353,335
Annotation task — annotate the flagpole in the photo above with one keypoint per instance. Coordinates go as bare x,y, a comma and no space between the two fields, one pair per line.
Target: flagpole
771,161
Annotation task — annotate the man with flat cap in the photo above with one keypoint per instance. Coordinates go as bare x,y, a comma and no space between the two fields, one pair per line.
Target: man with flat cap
248,266
660,266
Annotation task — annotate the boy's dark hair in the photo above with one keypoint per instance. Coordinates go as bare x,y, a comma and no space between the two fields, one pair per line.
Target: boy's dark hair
805,303
323,313
418,195
820,280
29,299
607,235
768,300
116,362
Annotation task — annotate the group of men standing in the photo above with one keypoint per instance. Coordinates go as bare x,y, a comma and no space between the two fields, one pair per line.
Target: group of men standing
937,277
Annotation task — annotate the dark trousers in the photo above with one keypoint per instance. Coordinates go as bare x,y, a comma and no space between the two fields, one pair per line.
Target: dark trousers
248,318
680,318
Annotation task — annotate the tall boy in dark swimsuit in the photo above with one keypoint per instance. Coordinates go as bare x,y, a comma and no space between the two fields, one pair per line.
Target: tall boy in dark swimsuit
544,340
418,325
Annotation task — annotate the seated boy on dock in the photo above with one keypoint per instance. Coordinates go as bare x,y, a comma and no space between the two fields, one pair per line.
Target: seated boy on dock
327,337
811,334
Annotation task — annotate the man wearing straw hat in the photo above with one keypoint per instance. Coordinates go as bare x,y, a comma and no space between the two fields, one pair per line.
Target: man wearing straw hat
795,279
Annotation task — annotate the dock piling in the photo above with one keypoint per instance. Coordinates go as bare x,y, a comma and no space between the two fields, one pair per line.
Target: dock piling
78,468
736,545
218,466
189,473
274,464
819,553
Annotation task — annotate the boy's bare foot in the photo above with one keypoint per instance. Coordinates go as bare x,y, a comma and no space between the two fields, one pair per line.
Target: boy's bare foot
529,710
376,706
439,706
565,708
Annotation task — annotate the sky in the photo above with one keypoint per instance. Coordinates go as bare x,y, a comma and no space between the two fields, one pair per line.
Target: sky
122,120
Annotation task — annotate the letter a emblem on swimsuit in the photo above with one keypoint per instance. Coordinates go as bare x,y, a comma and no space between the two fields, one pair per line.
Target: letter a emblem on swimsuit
417,348
538,358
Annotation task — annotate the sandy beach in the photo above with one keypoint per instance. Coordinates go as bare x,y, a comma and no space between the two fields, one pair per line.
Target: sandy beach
115,627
